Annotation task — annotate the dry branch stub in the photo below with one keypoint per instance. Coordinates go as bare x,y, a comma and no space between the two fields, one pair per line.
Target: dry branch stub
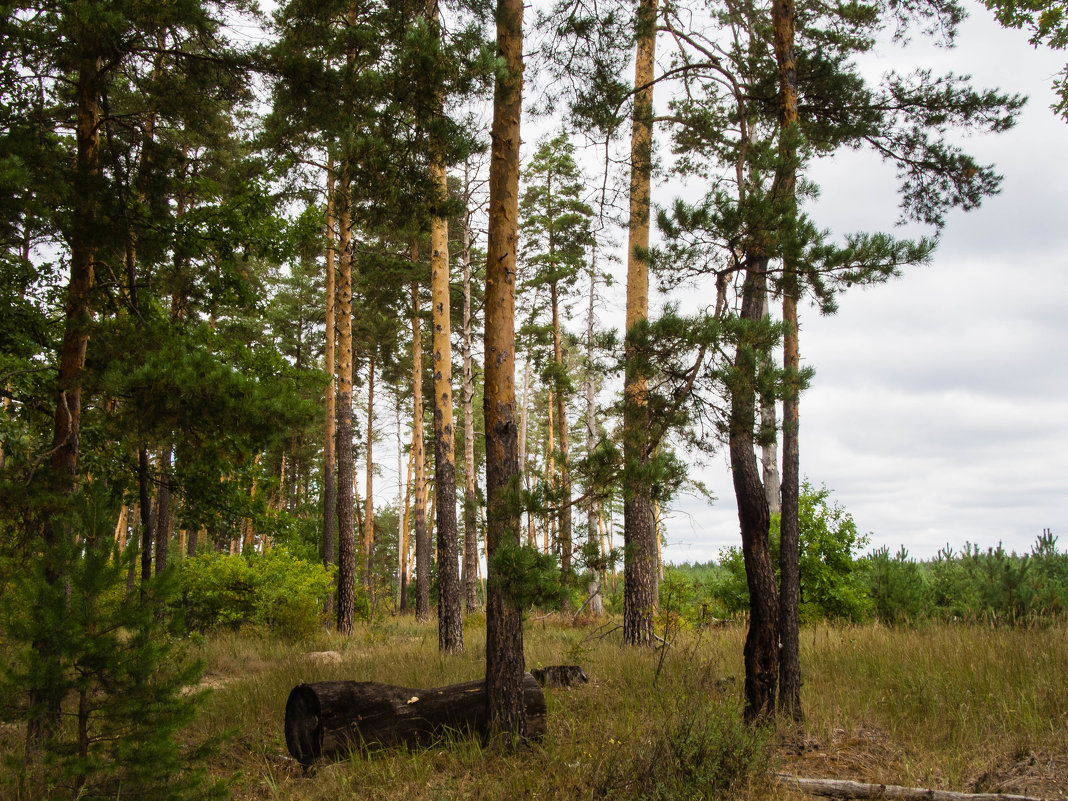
331,718
841,788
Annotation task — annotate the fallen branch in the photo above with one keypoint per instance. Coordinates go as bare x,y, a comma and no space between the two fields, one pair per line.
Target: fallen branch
841,788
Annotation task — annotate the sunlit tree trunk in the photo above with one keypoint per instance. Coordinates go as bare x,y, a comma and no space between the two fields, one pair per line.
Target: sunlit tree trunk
504,628
470,563
346,468
639,572
330,393
596,605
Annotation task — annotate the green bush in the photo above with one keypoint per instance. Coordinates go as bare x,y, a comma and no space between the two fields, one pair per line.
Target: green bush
275,590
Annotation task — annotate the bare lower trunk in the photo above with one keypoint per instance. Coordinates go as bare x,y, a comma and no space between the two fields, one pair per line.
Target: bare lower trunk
330,396
470,564
163,511
450,615
346,477
762,642
368,498
504,628
769,451
596,605
422,538
564,516
639,554
783,23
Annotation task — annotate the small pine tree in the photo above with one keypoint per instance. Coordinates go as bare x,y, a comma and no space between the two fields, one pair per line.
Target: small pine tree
114,663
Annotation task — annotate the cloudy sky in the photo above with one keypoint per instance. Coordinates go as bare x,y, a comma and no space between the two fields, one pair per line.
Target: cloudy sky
939,409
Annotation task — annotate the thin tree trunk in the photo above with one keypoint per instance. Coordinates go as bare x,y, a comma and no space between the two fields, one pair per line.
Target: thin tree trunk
470,564
783,23
144,486
163,511
639,551
594,586
564,516
504,628
346,509
762,642
330,395
405,542
524,417
402,522
368,498
422,537
769,451
450,615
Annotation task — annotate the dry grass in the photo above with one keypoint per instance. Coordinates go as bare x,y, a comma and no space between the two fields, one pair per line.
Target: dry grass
955,707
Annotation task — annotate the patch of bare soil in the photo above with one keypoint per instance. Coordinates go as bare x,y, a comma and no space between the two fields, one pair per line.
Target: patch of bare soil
1034,773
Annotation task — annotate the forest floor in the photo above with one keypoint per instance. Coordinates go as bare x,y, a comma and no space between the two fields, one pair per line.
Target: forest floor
953,707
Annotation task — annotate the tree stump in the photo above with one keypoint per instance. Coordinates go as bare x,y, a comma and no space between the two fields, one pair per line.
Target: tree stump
329,718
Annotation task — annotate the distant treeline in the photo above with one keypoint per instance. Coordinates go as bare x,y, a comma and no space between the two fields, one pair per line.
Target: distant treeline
972,584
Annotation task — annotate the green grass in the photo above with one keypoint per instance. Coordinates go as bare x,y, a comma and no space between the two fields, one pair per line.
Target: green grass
961,707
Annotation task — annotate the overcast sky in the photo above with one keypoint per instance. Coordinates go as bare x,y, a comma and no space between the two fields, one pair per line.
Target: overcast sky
938,412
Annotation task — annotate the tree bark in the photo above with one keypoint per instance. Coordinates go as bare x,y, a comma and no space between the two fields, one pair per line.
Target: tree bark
163,511
564,516
368,495
469,577
504,628
422,538
783,16
594,587
331,718
330,394
762,642
639,554
346,468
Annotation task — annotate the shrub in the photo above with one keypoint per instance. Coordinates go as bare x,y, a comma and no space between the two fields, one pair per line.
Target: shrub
274,590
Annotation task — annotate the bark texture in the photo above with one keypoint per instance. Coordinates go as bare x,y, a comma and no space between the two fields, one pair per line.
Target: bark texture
504,629
330,394
450,613
470,564
639,547
783,15
422,538
346,467
331,718
762,641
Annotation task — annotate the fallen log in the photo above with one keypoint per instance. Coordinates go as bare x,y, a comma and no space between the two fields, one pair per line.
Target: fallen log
842,788
329,718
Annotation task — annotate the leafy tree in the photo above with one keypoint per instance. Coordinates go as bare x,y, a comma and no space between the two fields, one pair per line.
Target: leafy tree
1047,22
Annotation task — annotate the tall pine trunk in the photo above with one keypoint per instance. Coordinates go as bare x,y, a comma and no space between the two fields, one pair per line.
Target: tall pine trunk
450,614
368,498
330,394
564,517
639,554
504,627
783,17
422,538
470,563
762,642
346,467
594,587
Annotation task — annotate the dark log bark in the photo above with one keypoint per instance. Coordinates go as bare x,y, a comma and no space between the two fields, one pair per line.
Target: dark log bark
333,717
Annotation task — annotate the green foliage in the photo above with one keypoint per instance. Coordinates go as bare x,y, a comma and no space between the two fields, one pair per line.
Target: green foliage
832,583
526,576
112,664
898,586
276,591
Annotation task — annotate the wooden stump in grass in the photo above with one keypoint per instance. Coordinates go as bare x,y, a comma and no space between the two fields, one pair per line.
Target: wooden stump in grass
330,718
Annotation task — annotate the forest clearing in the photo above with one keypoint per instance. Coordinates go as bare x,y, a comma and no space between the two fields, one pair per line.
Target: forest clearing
313,370
963,707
